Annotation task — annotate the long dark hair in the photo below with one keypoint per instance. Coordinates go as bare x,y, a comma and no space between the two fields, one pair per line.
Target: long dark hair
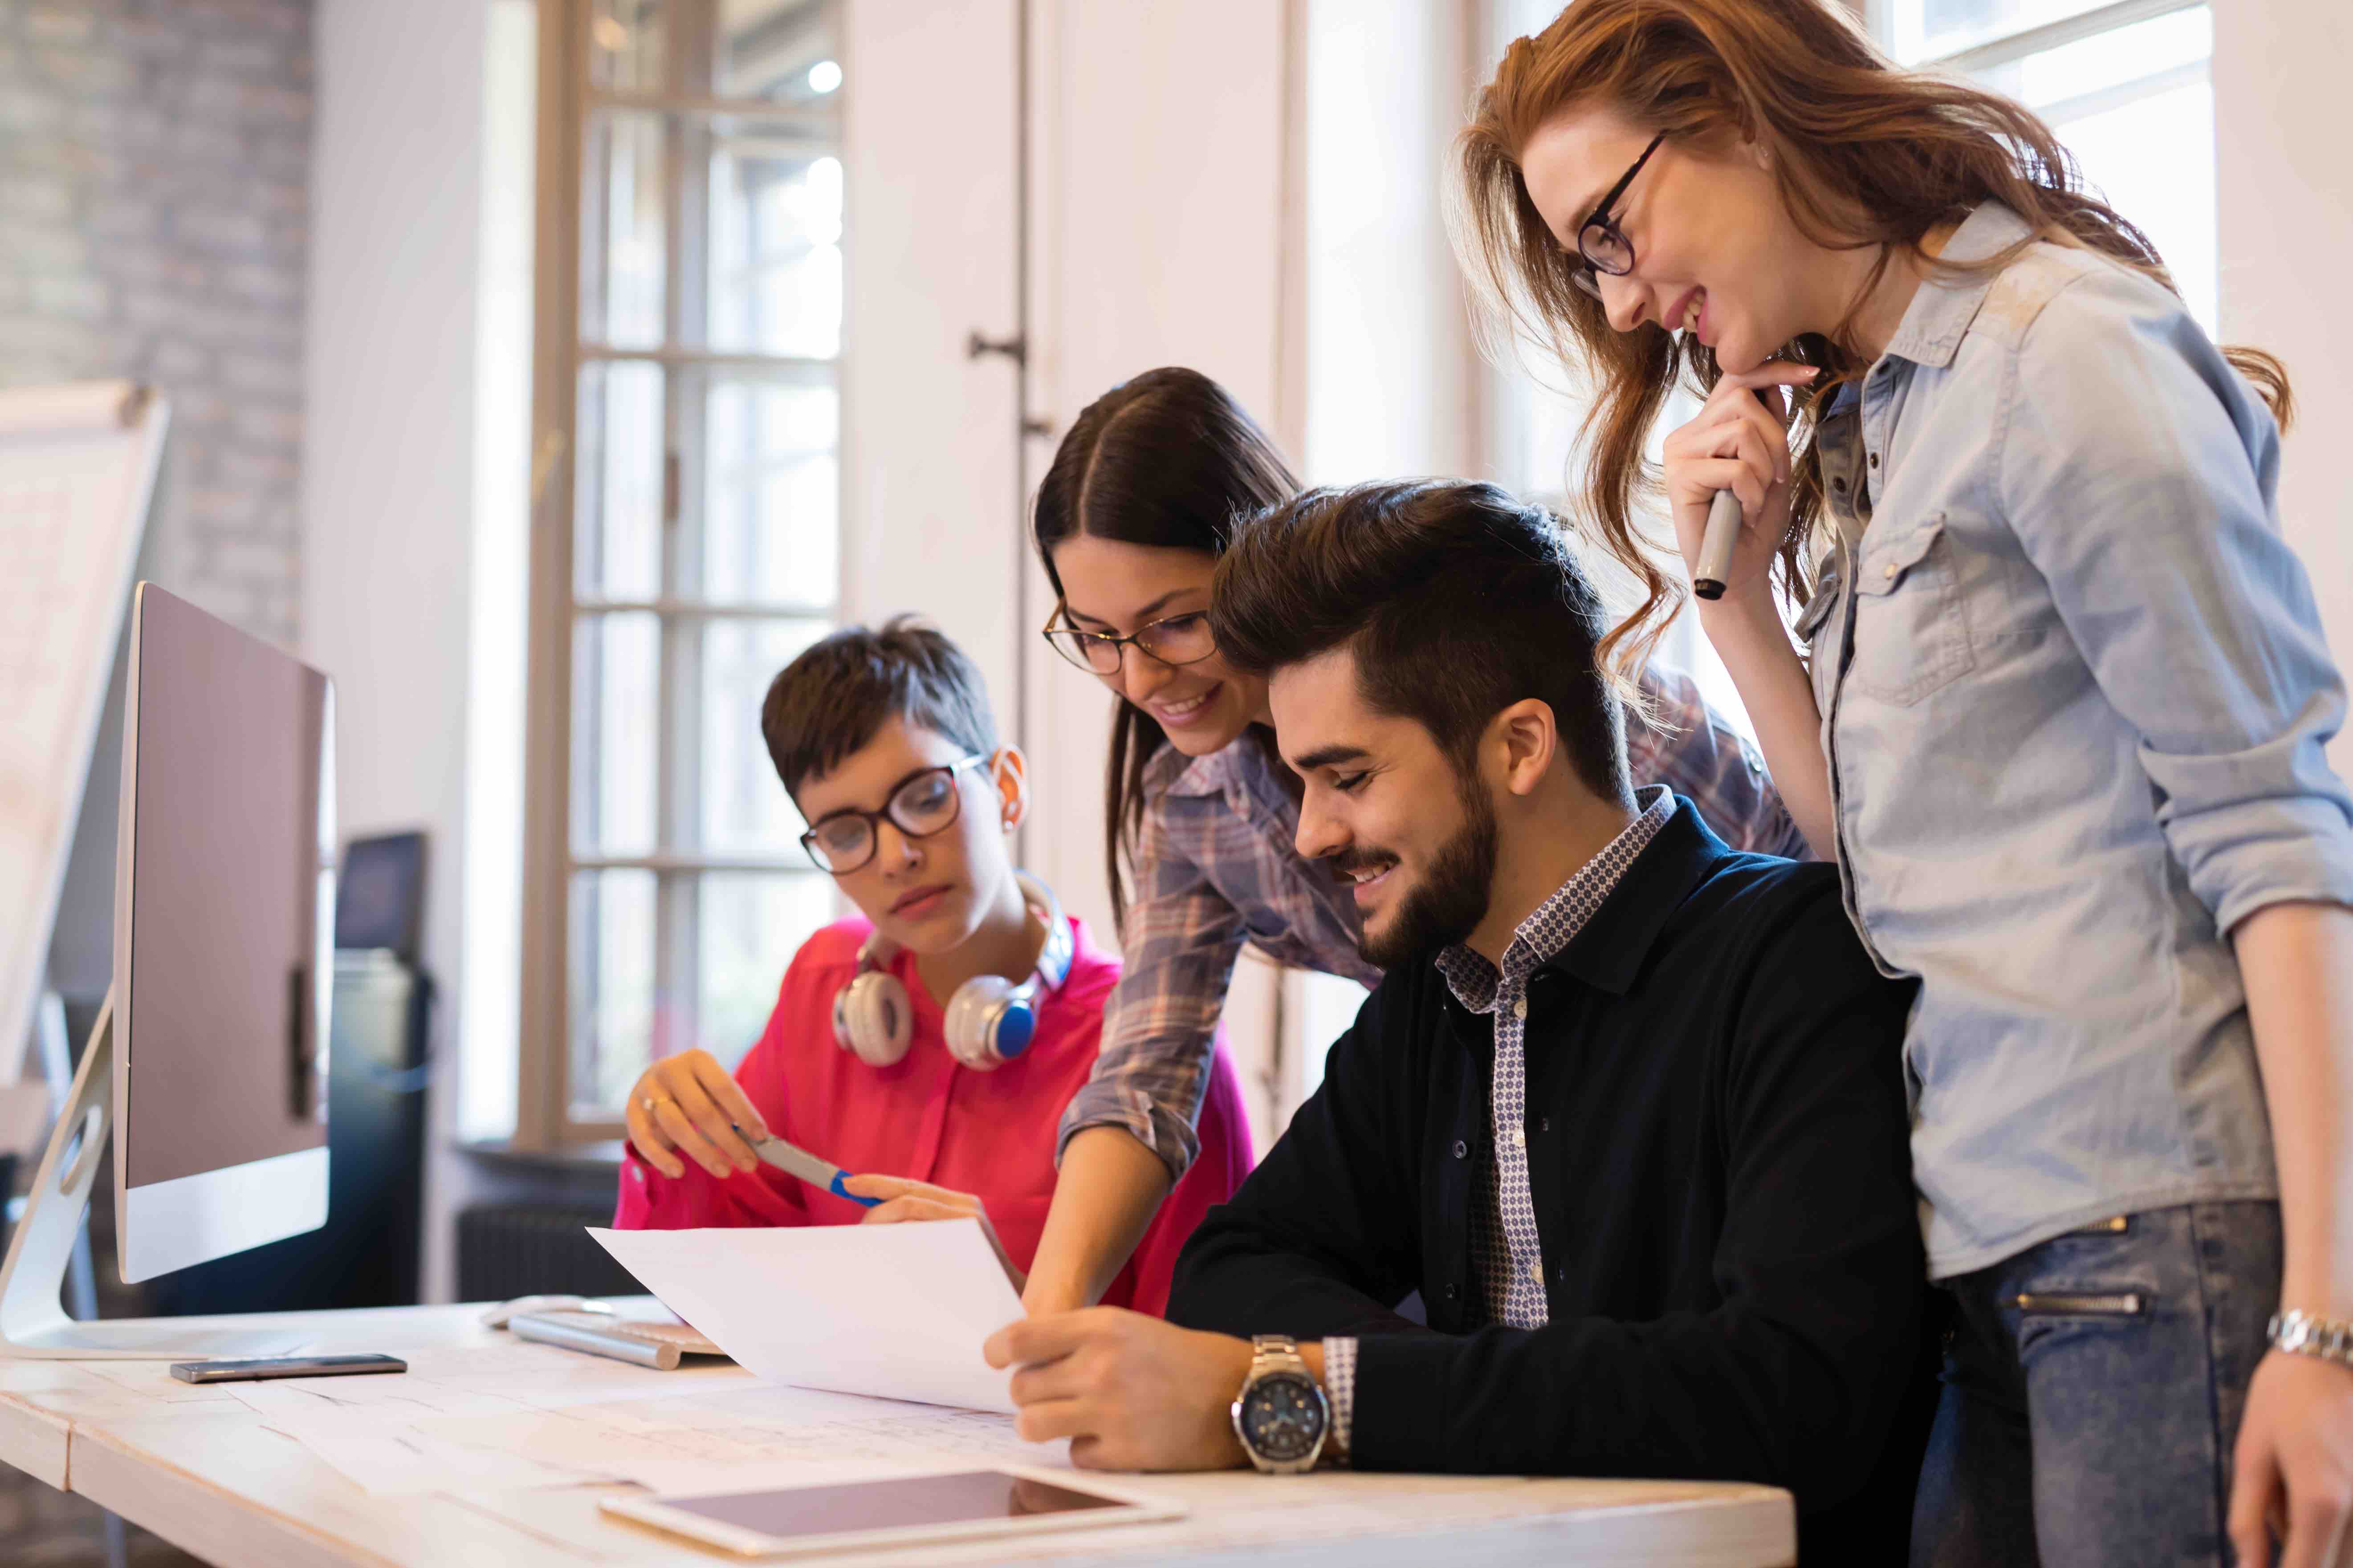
1852,137
1167,458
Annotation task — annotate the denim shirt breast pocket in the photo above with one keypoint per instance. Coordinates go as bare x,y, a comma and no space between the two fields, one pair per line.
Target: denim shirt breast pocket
1911,619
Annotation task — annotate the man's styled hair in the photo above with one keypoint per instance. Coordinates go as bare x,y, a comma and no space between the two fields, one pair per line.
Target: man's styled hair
831,699
1457,599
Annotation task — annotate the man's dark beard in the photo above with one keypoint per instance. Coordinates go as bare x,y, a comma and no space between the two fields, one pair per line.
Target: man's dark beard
1446,905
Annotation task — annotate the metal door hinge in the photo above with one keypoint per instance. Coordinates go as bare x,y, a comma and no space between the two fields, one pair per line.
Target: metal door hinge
1015,348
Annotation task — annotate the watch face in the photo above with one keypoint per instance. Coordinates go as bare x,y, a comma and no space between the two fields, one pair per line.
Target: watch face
1282,1417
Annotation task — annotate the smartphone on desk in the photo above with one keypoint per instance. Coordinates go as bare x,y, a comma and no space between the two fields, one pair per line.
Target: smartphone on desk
285,1366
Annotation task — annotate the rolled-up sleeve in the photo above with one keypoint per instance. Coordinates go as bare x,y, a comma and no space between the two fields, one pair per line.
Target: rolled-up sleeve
2154,530
1160,1026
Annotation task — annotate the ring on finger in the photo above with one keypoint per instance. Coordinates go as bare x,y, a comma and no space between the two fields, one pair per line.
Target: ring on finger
651,1103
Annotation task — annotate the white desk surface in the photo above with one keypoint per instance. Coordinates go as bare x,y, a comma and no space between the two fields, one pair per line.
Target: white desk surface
203,1467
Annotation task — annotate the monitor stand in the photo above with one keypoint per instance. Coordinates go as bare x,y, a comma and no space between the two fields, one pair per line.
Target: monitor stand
33,1321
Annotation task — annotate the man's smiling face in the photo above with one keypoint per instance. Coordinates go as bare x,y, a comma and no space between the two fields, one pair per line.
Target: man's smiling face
1387,808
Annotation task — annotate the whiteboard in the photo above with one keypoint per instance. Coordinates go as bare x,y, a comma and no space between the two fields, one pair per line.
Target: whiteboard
76,470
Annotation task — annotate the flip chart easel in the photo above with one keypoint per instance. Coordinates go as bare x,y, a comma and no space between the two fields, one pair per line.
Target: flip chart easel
76,472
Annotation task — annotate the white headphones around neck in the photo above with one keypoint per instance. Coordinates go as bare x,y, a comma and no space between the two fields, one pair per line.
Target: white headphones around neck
990,1019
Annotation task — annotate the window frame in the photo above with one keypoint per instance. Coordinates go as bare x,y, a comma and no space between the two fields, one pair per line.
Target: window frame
2010,47
696,124
2200,283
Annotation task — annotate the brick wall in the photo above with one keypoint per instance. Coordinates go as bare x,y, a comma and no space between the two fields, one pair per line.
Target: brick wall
154,166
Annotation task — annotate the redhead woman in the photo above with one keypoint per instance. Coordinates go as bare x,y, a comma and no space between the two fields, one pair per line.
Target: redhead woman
1146,490
2055,705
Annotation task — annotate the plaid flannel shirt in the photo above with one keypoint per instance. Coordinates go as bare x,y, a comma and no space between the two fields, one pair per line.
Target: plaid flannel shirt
1216,867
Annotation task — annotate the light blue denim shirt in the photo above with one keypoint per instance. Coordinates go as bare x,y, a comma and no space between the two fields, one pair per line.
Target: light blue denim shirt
2074,695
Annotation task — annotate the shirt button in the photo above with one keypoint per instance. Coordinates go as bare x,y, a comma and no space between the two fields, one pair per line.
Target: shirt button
1888,571
1875,459
1545,1125
1519,1137
1535,1272
1453,1291
1461,1150
1520,1008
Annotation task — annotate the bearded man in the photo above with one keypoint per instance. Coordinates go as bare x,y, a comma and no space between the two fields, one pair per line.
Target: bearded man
1626,1116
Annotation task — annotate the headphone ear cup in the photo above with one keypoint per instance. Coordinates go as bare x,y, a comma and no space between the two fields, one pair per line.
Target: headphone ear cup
872,1019
988,1022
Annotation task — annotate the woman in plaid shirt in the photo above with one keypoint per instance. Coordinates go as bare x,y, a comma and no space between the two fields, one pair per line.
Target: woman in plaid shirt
1142,498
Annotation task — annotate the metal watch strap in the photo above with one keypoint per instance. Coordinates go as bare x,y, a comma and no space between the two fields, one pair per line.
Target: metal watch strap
1272,1355
1274,1352
2300,1333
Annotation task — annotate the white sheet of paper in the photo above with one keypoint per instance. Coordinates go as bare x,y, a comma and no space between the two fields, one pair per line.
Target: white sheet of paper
898,1311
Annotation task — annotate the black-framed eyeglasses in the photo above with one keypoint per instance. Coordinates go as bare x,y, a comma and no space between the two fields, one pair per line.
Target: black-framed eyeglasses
926,802
1602,245
1174,640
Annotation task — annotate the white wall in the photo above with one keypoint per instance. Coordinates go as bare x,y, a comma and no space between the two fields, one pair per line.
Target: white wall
1161,233
2287,187
928,504
489,1008
388,479
1391,371
1161,229
1158,226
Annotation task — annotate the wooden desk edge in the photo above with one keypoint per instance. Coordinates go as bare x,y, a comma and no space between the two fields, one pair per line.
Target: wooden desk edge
216,1525
36,1441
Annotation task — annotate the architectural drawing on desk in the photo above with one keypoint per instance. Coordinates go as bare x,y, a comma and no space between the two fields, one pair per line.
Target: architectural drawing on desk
741,1425
390,1450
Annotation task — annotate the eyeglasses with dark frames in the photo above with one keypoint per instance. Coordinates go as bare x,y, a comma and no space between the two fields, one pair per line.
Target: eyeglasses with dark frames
926,802
1602,245
1174,640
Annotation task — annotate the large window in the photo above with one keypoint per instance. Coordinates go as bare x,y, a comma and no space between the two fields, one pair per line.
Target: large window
694,386
2124,85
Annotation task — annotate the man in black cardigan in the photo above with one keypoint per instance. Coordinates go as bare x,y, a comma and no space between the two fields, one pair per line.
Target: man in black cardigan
1627,1113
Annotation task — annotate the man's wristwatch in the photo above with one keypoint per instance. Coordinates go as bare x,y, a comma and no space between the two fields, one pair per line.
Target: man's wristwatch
2300,1333
1280,1415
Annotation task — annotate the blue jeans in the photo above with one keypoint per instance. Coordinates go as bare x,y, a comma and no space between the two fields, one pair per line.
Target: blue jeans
2093,1390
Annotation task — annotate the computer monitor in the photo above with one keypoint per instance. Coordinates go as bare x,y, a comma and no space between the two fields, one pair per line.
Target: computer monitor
208,1062
224,942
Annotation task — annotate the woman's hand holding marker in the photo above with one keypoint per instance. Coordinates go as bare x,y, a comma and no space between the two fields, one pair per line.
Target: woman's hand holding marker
1735,443
690,1104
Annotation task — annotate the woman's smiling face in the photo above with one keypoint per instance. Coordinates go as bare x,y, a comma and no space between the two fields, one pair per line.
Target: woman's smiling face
1118,589
1715,251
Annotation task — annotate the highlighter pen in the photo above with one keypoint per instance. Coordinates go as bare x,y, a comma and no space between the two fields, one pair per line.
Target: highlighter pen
1716,545
795,1161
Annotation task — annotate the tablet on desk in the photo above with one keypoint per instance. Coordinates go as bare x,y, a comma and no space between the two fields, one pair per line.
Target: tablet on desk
902,1510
